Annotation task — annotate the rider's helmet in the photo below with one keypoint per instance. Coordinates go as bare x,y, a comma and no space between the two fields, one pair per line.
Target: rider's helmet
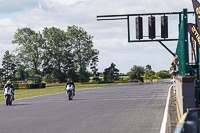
69,80
8,83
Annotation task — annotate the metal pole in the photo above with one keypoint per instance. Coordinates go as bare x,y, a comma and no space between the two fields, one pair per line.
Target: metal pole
128,28
186,42
167,48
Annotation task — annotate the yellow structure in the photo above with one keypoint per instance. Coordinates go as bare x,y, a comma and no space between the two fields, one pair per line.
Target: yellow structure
22,86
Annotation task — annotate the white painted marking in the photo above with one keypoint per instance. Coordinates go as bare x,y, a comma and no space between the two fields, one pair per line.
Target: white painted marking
164,122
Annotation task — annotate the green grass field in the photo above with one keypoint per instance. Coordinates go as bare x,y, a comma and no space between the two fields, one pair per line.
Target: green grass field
24,93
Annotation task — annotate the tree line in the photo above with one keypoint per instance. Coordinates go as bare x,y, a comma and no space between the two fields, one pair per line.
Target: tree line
136,73
141,73
54,54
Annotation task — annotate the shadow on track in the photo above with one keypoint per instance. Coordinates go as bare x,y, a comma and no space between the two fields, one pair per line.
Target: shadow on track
20,104
79,99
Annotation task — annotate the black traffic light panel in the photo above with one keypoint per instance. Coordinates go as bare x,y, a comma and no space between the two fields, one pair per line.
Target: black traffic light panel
152,28
164,27
139,28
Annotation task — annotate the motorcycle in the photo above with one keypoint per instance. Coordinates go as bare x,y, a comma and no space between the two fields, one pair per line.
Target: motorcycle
69,91
8,95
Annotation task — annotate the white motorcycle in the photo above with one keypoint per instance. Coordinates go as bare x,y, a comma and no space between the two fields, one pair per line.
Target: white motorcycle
8,95
69,91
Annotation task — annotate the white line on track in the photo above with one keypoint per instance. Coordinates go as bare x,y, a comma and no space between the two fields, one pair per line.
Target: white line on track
164,122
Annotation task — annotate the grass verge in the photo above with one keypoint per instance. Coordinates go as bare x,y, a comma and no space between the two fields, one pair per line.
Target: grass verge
24,93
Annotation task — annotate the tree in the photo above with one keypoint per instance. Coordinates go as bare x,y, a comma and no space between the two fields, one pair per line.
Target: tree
49,78
1,74
29,52
83,50
148,68
93,65
149,73
72,74
59,53
163,74
136,72
9,66
21,72
57,56
111,73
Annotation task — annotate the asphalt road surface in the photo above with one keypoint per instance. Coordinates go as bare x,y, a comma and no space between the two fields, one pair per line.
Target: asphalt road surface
116,109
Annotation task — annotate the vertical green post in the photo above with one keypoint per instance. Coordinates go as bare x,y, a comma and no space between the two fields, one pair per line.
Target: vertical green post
182,47
179,25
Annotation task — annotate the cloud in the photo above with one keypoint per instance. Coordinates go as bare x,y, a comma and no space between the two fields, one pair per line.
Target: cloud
10,6
7,30
51,3
110,37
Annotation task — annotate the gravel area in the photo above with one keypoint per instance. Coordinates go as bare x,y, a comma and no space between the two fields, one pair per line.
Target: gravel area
172,114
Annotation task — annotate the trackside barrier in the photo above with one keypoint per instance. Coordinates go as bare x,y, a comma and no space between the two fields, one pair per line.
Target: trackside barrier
60,84
105,82
22,86
147,80
189,122
101,82
136,81
16,86
2,85
122,81
27,86
155,80
180,125
90,83
56,84
179,128
164,80
35,86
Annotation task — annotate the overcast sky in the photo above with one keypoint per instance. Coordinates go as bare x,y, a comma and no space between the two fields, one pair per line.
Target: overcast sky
110,37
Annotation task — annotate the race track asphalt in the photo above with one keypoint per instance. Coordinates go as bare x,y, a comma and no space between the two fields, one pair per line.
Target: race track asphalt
127,108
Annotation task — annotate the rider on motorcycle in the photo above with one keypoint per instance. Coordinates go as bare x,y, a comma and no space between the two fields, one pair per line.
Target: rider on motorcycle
69,81
9,84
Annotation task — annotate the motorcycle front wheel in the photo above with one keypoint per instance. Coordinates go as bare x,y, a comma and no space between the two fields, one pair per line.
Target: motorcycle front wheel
70,95
7,98
10,102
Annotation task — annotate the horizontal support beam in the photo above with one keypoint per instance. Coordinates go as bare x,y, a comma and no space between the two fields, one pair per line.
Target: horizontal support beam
111,19
153,40
144,14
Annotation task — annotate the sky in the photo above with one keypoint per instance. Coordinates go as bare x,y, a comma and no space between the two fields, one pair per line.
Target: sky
110,37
